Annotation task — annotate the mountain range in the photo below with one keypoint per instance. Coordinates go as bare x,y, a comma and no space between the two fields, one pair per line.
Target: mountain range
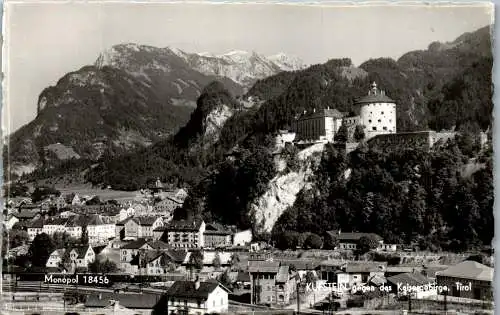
132,96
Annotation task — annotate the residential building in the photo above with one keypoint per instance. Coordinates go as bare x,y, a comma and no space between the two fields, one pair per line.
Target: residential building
357,273
100,229
468,279
162,262
271,283
137,227
242,238
185,234
139,251
11,220
320,125
55,258
197,298
27,214
34,228
350,241
216,236
54,225
82,256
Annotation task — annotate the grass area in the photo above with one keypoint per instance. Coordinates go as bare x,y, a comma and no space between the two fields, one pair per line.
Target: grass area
104,194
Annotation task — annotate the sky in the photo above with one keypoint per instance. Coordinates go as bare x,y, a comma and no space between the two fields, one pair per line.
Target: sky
44,41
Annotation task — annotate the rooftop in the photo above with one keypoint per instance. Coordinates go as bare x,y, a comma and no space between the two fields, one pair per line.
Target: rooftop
185,225
374,96
187,289
263,266
468,270
409,279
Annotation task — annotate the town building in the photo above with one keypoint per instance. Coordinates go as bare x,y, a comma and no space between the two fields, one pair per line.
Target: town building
350,240
468,279
377,112
357,273
34,228
81,256
137,227
412,280
11,220
216,236
271,283
185,234
197,298
54,225
55,258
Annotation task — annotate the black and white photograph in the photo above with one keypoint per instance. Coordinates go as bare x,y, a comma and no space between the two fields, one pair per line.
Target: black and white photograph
194,158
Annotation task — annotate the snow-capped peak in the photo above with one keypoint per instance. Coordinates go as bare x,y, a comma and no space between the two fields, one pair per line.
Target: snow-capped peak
287,62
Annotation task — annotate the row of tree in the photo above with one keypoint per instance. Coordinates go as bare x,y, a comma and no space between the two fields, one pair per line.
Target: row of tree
405,195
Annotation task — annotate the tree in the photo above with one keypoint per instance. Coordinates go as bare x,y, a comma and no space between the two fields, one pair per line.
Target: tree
313,241
359,133
310,277
196,259
84,239
17,238
235,260
367,243
40,250
341,135
94,201
216,261
225,279
330,241
43,192
287,240
102,267
63,240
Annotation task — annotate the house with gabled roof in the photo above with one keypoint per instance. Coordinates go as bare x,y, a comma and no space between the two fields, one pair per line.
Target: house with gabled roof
56,258
27,214
137,227
82,256
34,228
195,297
359,272
468,279
350,240
412,280
129,252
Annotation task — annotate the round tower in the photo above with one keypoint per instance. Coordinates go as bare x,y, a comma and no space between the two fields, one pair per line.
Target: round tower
377,112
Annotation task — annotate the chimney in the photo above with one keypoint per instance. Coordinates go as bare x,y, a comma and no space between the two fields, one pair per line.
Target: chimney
197,283
100,296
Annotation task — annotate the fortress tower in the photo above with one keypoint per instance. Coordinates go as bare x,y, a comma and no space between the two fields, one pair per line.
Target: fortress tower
377,112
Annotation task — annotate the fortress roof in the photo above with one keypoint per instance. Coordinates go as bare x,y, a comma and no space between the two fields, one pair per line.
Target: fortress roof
375,96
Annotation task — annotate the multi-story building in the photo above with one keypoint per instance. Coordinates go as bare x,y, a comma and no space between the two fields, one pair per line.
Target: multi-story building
318,125
34,228
100,229
185,234
137,227
271,283
55,225
197,298
377,112
216,236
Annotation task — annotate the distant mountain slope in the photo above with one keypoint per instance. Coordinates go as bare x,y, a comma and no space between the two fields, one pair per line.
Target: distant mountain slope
131,97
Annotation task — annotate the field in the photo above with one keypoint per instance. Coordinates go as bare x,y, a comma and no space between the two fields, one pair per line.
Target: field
104,194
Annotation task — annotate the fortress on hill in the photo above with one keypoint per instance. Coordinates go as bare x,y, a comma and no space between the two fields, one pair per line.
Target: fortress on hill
377,117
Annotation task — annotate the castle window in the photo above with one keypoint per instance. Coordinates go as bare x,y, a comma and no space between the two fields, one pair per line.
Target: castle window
374,128
379,120
382,113
390,120
385,128
369,120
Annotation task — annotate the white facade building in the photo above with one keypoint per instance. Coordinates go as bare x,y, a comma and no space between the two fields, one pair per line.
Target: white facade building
377,113
197,297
